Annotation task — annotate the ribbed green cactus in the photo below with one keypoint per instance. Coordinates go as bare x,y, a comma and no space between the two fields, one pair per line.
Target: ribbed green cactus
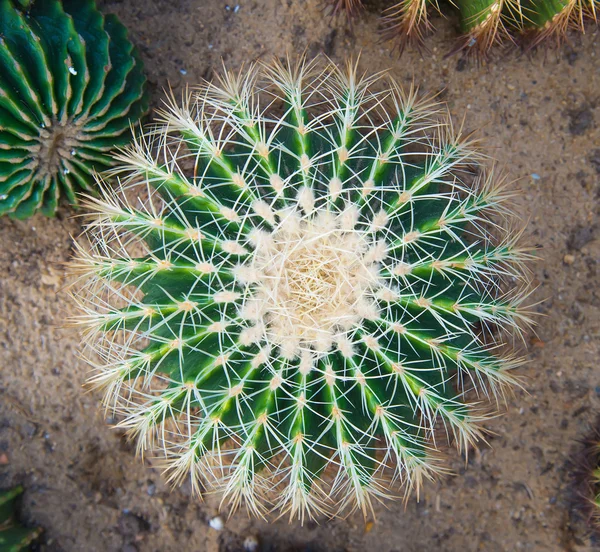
13,536
71,84
308,294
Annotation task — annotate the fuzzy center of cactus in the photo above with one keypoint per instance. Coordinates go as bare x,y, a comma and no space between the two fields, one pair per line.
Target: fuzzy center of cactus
57,142
310,281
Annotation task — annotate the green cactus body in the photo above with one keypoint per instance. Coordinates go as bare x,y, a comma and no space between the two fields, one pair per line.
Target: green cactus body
476,13
13,536
308,294
540,13
481,24
71,84
552,19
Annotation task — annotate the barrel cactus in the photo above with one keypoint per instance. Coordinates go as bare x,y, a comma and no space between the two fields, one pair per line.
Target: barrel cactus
296,286
71,85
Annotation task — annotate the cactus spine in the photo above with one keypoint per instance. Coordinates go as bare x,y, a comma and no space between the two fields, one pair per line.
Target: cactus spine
71,84
311,290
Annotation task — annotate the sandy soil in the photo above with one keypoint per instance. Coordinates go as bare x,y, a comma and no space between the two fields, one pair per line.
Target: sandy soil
539,115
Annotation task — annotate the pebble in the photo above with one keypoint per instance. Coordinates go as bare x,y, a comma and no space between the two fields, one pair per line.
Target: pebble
251,543
217,523
569,259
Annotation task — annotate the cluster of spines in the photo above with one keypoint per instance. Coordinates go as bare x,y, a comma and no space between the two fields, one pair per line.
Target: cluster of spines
485,23
71,86
163,300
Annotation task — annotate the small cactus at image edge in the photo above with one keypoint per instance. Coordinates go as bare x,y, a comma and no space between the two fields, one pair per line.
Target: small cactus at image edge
71,86
300,288
595,483
483,23
585,463
13,536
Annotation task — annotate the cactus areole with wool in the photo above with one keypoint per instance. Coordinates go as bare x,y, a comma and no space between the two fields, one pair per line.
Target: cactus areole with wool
71,85
310,288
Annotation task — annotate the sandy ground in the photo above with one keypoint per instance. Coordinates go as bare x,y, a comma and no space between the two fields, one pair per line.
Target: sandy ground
539,116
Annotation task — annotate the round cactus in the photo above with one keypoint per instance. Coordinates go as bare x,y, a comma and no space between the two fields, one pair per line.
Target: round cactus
71,85
309,290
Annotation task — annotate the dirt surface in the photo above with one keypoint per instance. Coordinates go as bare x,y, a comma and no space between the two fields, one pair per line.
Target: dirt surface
540,117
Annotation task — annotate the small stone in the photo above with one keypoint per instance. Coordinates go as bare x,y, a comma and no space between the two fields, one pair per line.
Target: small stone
4,461
251,543
582,120
580,236
537,343
569,259
461,64
217,523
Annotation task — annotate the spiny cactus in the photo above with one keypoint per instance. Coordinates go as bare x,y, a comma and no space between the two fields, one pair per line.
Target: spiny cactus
485,23
595,498
309,293
488,22
71,84
13,536
585,466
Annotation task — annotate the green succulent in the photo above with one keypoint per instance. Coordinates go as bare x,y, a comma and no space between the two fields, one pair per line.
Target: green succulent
71,85
13,536
308,294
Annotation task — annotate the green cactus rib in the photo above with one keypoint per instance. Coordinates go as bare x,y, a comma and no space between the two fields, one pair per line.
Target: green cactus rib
307,294
71,86
13,537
